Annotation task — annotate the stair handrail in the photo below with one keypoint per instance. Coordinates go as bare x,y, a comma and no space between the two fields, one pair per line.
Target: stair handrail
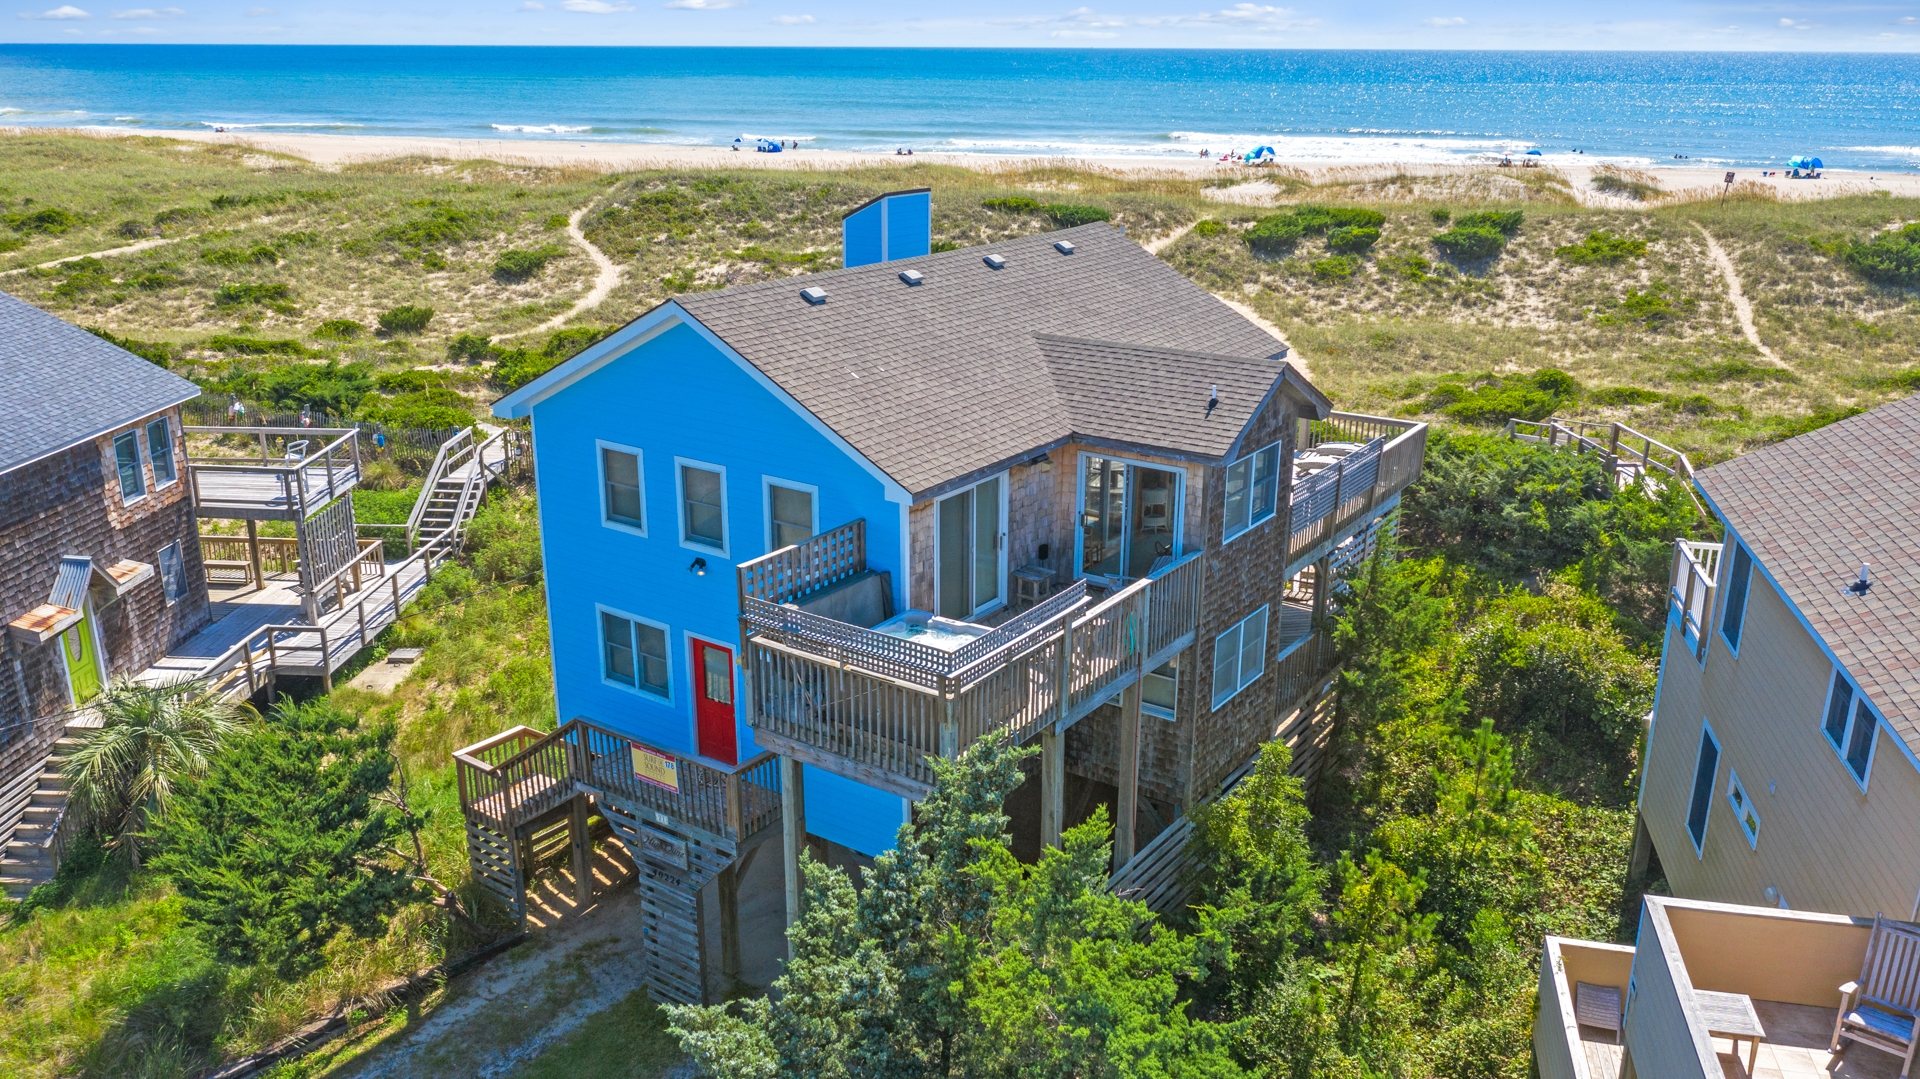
442,464
475,487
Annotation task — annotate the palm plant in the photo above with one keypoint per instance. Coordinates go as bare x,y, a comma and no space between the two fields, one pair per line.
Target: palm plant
150,738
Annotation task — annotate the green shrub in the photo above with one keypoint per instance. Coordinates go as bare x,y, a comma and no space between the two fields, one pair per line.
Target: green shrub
1409,266
154,352
412,380
1351,238
233,256
434,409
134,230
1277,234
1625,395
556,221
441,226
330,387
1470,244
1440,217
943,245
1892,258
83,275
520,265
1018,204
1497,400
1335,268
51,221
234,295
1812,422
1504,222
1649,307
9,244
178,215
253,346
1698,404
1210,227
1737,371
1066,215
514,368
234,202
1601,247
340,329
406,318
159,277
472,347
1273,235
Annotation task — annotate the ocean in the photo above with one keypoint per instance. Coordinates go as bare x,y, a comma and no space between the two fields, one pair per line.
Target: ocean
1648,109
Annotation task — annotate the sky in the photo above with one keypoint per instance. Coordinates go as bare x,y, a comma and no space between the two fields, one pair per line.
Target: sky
1791,25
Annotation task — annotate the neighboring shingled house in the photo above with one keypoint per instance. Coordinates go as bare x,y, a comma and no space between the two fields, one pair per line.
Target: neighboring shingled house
1783,767
99,561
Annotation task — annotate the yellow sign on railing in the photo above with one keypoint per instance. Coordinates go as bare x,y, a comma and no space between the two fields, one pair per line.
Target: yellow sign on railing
656,768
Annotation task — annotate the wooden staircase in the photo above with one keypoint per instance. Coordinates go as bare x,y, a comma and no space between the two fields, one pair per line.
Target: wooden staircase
33,848
456,483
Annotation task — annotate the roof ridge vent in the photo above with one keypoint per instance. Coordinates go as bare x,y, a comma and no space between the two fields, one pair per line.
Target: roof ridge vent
815,295
911,277
994,262
1065,247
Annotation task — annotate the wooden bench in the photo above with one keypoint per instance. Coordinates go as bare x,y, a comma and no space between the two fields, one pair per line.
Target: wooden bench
1597,1006
222,565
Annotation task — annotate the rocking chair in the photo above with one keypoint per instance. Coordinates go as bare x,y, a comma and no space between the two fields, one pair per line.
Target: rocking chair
1878,1009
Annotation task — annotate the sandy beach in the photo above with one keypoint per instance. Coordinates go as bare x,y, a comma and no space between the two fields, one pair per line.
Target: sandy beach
336,150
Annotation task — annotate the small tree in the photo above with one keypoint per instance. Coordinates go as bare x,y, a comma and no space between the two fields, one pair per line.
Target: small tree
287,842
150,739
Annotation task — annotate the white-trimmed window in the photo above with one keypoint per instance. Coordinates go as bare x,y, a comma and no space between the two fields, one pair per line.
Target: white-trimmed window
160,452
793,512
623,497
1705,767
1850,725
173,572
1734,615
633,653
1743,810
1159,693
126,462
1253,490
703,505
1239,655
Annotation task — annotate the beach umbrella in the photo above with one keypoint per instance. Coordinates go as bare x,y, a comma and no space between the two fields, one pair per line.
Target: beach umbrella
1814,163
1533,153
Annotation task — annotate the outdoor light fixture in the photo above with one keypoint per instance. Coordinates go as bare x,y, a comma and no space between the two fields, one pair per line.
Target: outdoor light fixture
1213,399
698,568
1044,463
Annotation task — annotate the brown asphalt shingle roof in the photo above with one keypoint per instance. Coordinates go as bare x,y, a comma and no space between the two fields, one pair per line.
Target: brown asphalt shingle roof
938,380
1811,509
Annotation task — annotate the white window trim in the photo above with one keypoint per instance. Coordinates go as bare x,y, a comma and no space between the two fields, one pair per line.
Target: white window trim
600,657
1693,789
1080,506
172,444
139,434
680,507
1002,598
1726,596
1740,816
1863,779
600,470
1240,627
740,745
1154,709
1278,489
767,484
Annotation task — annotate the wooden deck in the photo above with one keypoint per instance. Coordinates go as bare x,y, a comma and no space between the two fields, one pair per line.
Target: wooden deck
274,488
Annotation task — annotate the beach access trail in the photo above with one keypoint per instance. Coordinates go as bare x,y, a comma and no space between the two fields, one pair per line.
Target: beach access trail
604,282
1742,307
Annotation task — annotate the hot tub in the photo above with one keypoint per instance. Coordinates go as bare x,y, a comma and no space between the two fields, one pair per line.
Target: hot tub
946,634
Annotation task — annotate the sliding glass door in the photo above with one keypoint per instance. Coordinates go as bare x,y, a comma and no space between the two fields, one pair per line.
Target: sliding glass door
972,550
1128,517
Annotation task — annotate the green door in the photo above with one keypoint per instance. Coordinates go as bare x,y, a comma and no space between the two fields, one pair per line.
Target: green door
82,671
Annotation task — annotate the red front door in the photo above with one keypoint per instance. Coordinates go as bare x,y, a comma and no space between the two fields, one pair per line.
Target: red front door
713,702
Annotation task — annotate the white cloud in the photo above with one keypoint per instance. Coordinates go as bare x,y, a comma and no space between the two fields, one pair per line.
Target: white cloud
705,5
1442,21
260,12
64,11
595,7
150,13
1907,20
792,20
1791,24
533,5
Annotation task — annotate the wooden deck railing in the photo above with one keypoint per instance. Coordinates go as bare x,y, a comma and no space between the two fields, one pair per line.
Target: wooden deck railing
1628,452
282,484
886,704
1696,573
1331,501
804,567
519,774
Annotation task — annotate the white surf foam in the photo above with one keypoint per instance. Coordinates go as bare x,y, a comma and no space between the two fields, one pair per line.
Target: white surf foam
541,129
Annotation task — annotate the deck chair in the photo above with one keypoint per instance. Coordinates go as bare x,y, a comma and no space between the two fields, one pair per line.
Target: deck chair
1597,1006
297,451
1878,1010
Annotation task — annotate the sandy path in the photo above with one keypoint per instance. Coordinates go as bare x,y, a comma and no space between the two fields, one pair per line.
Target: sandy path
1298,361
1742,307
127,250
1164,242
603,284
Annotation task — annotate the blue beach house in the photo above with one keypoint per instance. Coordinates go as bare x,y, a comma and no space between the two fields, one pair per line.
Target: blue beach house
803,535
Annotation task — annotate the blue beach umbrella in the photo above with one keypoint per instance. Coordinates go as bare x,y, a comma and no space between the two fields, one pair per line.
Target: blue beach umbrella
1533,153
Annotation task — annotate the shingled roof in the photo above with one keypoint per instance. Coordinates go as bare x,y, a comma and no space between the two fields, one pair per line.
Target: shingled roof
60,385
1811,509
941,379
